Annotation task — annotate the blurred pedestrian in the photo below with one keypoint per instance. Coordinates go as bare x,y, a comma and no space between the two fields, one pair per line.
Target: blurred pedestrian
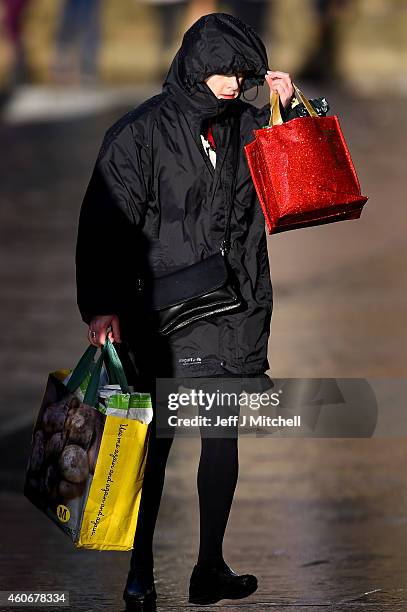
13,12
169,16
77,42
255,13
322,63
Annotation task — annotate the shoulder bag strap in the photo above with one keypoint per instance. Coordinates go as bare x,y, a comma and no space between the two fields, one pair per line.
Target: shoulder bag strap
229,182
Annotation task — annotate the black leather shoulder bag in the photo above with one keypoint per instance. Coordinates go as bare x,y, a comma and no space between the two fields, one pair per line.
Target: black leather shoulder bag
206,288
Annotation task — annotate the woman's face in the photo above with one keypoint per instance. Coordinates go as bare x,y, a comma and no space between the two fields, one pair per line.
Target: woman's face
226,86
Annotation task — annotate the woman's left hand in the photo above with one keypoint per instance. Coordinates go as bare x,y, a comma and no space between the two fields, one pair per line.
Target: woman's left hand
281,82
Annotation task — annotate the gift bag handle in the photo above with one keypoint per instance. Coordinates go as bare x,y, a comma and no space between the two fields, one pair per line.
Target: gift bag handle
275,113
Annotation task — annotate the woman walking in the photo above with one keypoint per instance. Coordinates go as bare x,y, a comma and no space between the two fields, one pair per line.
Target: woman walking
156,202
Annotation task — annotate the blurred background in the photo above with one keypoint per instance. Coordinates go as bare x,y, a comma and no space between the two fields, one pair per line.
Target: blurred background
361,42
68,70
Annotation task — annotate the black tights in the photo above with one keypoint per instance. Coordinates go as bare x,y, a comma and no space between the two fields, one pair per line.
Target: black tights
216,479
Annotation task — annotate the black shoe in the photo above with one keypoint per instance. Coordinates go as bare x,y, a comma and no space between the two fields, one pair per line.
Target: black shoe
139,592
210,584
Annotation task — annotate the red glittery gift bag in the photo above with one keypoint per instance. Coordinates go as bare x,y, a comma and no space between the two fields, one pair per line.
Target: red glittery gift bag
302,170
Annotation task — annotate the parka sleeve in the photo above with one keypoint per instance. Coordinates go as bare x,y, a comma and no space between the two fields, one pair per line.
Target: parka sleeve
114,206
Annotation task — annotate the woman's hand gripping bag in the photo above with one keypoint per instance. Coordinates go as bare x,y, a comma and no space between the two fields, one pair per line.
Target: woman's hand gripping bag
88,453
302,170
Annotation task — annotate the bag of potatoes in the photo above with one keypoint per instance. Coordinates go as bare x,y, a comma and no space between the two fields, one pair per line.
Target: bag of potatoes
88,451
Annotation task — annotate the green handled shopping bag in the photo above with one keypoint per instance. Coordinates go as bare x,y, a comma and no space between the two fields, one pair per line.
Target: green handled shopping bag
88,451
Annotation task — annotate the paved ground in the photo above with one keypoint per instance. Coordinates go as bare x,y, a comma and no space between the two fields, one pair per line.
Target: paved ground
322,523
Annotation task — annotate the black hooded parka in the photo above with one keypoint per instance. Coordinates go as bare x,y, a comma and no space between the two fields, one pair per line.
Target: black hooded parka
155,203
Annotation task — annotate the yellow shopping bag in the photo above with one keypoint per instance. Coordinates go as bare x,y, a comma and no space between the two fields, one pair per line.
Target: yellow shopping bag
88,454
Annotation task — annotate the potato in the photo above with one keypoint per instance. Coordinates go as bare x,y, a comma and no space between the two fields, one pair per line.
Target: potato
69,417
54,495
37,452
70,490
51,477
54,417
82,426
55,445
74,403
72,408
73,463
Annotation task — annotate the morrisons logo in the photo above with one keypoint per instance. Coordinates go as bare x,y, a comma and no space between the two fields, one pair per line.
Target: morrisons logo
63,513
